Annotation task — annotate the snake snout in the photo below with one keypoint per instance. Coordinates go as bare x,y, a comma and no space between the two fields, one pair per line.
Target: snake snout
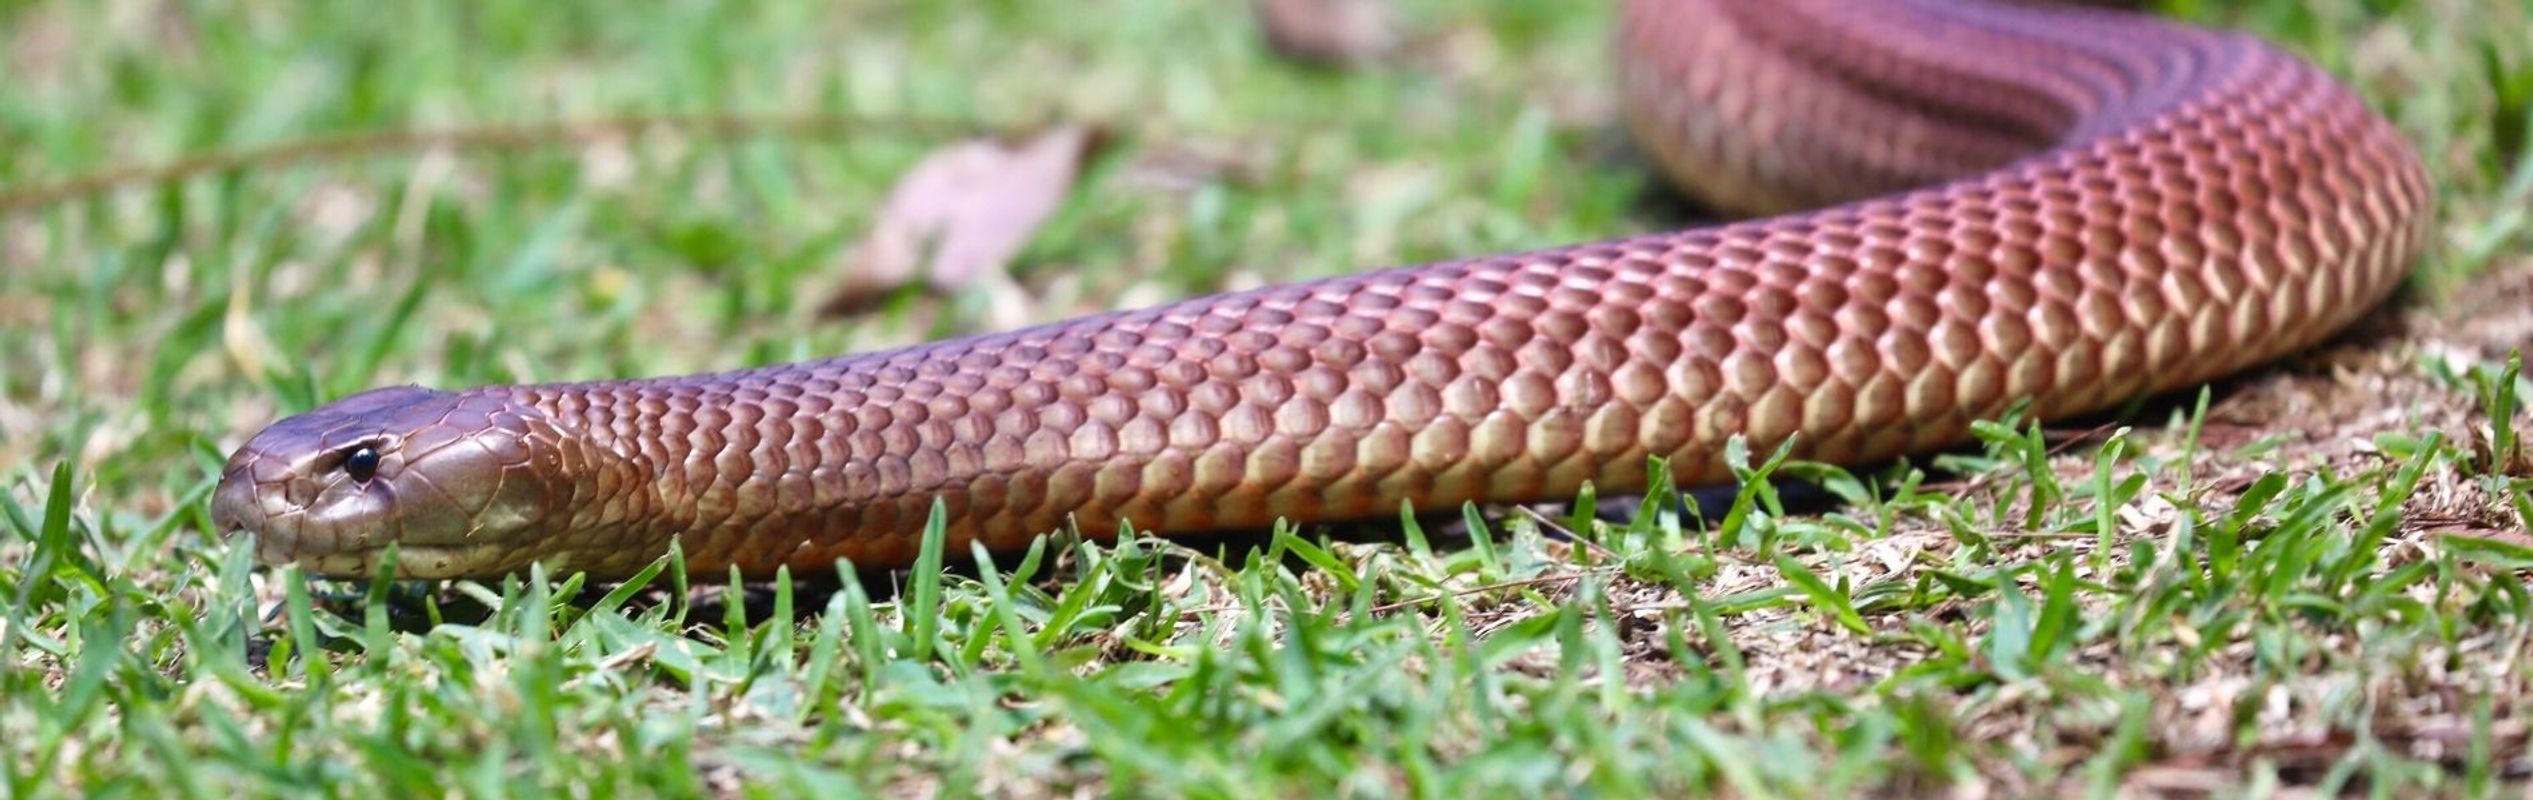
233,503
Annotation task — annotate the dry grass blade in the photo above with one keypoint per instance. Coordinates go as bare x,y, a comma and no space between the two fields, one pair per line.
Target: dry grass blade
30,197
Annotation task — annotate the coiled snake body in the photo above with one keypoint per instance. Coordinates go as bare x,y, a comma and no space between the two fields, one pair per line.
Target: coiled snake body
2066,206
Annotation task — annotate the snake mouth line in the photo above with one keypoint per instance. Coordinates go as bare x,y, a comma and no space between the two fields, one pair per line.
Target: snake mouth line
413,561
361,559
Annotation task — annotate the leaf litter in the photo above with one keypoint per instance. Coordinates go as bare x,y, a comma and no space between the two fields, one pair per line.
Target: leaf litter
958,219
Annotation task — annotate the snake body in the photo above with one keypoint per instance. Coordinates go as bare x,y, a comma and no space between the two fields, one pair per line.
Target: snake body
2064,206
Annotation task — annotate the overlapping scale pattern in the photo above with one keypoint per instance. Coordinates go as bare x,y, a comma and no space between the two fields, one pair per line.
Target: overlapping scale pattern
2111,207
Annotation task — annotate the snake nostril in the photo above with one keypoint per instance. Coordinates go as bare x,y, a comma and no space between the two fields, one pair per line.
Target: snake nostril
233,504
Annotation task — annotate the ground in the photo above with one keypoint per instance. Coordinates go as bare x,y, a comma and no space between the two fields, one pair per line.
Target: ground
2308,579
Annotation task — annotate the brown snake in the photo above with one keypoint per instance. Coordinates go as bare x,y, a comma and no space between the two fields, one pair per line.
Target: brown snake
2068,206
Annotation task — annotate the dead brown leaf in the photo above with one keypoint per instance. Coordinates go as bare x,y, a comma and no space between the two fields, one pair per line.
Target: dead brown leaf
1329,32
959,217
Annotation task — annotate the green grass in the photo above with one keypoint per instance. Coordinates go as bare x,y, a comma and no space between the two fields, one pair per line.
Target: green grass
2312,579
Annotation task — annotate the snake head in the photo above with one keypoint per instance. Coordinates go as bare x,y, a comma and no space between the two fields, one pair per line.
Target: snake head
455,480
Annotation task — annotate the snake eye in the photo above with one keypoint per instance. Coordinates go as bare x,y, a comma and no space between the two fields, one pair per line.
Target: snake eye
361,463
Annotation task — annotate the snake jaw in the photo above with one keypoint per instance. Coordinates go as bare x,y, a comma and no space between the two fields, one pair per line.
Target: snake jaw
452,483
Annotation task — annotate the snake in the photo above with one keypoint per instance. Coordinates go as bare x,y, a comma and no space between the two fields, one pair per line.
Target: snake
1941,210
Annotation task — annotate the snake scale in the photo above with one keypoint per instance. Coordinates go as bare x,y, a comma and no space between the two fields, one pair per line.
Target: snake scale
2068,206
